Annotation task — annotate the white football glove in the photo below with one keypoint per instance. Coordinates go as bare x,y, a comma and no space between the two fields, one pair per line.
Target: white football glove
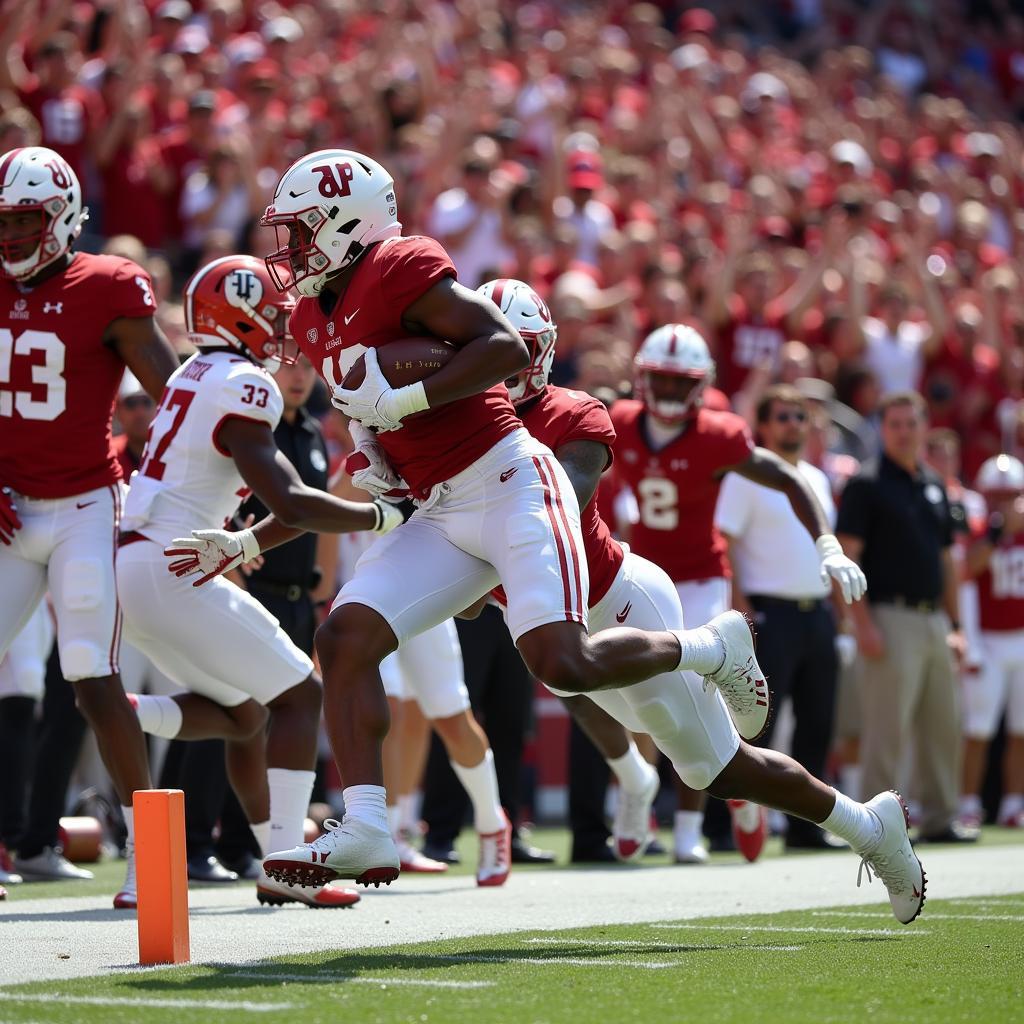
835,565
370,469
211,553
388,516
375,403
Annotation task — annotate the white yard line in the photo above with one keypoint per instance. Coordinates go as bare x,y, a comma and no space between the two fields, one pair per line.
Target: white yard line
643,944
156,1004
483,958
795,928
933,917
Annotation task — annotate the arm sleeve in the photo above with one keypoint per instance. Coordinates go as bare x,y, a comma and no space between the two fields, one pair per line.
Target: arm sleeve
132,292
732,513
409,268
855,508
251,394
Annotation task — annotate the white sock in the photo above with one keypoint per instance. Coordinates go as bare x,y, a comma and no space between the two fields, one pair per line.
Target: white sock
970,803
701,649
261,833
408,806
159,716
632,771
853,822
129,821
290,791
687,827
395,818
481,783
367,804
1010,806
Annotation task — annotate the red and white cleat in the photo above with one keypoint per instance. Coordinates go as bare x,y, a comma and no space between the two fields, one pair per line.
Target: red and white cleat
495,856
415,861
128,898
631,829
749,827
739,678
349,849
276,894
3,893
892,859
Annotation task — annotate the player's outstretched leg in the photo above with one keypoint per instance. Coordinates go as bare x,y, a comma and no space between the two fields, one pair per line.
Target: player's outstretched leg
351,644
877,831
471,759
638,781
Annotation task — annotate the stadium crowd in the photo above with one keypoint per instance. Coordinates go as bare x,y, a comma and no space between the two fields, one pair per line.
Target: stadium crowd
827,190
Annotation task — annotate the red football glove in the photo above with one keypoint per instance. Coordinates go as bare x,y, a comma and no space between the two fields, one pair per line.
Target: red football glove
9,521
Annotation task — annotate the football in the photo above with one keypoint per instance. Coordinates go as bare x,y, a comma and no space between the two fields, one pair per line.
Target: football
404,362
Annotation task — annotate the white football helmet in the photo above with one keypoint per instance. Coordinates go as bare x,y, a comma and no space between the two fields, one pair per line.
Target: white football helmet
1001,473
330,205
530,316
34,179
680,351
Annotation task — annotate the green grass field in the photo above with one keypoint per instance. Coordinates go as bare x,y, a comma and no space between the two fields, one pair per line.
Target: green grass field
963,960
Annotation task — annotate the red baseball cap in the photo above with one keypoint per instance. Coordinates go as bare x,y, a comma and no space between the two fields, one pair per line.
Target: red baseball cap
584,170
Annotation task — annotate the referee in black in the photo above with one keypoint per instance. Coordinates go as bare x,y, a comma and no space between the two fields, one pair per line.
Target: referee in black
283,584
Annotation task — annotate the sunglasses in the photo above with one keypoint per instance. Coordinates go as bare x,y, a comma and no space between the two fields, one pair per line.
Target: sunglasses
137,402
785,417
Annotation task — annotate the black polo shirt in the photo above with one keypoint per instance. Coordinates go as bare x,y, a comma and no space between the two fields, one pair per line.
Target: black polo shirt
303,444
905,522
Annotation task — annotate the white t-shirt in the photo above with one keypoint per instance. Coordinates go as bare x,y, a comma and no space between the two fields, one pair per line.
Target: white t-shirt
482,249
773,553
896,359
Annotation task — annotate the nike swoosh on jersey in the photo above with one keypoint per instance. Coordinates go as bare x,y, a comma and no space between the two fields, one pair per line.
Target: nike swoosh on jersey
351,317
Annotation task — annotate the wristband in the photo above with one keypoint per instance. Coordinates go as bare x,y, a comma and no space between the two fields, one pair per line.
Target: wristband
827,545
405,401
250,545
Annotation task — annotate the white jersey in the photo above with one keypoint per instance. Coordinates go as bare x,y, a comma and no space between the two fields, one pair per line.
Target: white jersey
186,480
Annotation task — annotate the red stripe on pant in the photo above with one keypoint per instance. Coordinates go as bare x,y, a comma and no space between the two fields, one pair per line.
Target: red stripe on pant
571,614
574,555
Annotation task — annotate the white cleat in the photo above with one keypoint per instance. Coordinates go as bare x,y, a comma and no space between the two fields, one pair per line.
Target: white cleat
739,678
495,856
49,865
128,897
693,852
892,858
348,849
276,894
631,829
415,861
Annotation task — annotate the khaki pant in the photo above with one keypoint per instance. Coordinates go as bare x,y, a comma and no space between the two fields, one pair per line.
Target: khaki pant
910,699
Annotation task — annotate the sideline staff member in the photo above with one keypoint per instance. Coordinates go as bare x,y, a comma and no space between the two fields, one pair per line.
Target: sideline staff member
895,520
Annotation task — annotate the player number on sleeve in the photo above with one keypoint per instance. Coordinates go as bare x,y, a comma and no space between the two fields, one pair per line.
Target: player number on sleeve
255,396
47,398
147,291
659,503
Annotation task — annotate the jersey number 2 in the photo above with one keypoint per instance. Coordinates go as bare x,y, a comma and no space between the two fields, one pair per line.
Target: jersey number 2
48,375
152,464
659,503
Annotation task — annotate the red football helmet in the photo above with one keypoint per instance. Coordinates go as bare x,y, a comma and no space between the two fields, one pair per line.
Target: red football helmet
234,301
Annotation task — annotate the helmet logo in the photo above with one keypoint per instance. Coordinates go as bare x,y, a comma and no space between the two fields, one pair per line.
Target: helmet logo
60,179
242,288
334,181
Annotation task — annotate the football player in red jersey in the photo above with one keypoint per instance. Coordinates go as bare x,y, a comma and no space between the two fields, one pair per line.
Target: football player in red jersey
71,322
996,559
495,506
687,722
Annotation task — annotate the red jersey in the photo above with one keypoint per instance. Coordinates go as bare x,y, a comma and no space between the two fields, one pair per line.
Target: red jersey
557,417
746,341
58,378
1001,586
676,488
436,444
67,119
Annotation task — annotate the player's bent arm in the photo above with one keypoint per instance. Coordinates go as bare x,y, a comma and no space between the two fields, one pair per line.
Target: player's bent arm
145,350
766,468
276,483
490,349
583,462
